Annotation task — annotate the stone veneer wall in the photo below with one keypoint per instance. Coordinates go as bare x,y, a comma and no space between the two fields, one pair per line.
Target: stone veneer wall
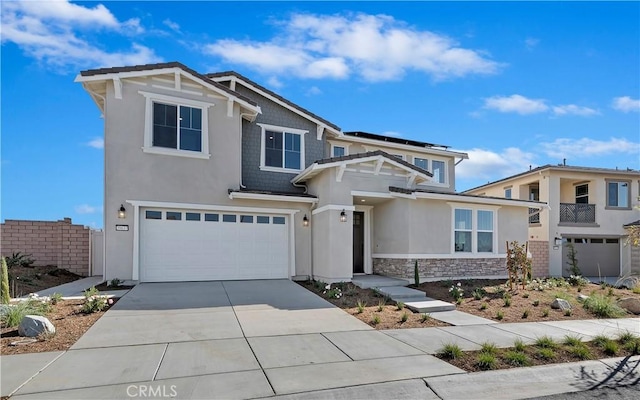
58,243
539,250
441,267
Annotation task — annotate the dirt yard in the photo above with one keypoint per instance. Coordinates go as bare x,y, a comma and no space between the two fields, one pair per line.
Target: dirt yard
25,280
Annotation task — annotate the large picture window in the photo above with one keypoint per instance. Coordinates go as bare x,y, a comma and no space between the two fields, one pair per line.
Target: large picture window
474,230
177,127
282,149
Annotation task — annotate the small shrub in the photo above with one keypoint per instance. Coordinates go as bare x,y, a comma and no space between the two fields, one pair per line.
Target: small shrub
610,292
516,358
525,314
360,306
577,280
332,293
580,352
486,361
602,306
611,348
562,295
13,315
536,303
499,315
400,305
545,312
484,306
375,320
115,282
404,318
425,317
488,347
567,312
525,296
19,260
546,342
456,291
450,351
478,293
633,346
459,301
93,301
507,299
546,354
626,337
636,289
518,345
570,340
381,305
55,298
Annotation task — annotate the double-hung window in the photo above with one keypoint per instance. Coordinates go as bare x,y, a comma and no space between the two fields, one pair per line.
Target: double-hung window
436,167
473,230
618,194
282,149
438,171
176,126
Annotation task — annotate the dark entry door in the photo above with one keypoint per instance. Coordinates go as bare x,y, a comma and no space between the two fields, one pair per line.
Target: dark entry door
358,242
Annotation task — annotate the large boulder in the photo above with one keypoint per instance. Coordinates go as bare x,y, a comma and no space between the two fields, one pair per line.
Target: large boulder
35,325
630,304
561,304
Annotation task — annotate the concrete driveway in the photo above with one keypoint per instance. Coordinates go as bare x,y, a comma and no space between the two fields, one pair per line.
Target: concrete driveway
238,339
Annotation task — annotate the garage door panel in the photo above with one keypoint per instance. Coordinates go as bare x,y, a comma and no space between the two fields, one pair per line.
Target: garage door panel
182,250
597,257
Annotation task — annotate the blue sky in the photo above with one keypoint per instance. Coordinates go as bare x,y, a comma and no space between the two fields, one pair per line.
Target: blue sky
512,84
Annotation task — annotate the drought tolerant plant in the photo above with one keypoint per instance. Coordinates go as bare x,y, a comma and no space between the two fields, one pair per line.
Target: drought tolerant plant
360,305
55,298
517,358
577,280
332,293
567,312
546,342
525,295
499,315
507,299
546,354
478,293
545,312
525,314
375,320
5,297
518,264
456,291
571,340
488,347
581,352
19,260
610,292
572,260
404,318
486,361
12,316
400,305
518,345
536,303
93,301
602,306
115,282
484,306
381,305
450,351
611,348
626,337
425,317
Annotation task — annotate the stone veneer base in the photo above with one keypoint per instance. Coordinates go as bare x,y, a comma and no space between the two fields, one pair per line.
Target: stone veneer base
440,267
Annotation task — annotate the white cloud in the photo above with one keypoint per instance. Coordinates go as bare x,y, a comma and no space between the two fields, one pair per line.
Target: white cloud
515,104
626,104
531,43
174,26
585,147
375,47
572,109
52,32
274,82
491,165
314,91
96,143
87,209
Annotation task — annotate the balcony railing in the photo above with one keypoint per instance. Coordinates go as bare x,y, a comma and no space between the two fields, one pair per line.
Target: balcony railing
534,215
578,213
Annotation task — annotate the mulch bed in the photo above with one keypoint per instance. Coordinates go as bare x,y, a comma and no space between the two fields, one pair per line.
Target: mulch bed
389,316
33,279
70,323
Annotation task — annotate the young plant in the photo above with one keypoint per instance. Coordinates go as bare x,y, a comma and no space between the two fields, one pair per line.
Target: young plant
545,312
517,358
19,260
486,361
499,315
525,295
404,318
360,306
381,305
375,320
546,354
13,314
400,305
518,345
450,351
507,299
488,347
456,291
459,301
570,340
484,306
425,317
611,348
93,301
478,293
626,337
115,282
525,314
546,342
610,292
5,297
580,352
536,303
567,312
572,260
55,298
602,306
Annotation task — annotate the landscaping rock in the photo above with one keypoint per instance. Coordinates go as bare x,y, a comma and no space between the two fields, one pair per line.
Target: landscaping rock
561,304
35,325
582,297
630,304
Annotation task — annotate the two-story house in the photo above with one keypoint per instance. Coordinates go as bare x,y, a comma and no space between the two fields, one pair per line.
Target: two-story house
213,177
588,209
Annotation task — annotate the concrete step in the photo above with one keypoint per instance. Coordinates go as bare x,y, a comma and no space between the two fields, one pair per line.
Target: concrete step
375,281
401,293
458,318
429,306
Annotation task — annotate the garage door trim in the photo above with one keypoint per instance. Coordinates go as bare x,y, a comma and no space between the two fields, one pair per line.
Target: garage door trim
137,204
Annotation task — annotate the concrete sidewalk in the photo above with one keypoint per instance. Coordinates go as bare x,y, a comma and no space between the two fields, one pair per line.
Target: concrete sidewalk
77,288
255,339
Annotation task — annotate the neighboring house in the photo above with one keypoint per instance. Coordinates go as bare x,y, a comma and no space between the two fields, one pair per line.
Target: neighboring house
212,177
588,208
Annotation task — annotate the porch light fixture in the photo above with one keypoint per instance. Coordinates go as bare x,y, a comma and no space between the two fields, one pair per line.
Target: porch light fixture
343,216
305,220
122,212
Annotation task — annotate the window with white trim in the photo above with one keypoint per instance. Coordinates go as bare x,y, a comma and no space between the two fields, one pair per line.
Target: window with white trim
618,194
474,230
421,163
507,193
176,126
437,167
338,151
282,149
438,171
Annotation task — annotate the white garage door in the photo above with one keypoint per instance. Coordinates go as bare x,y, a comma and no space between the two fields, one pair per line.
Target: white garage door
185,245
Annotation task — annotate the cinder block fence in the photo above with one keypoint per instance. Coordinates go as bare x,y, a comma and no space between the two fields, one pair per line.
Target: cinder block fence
58,243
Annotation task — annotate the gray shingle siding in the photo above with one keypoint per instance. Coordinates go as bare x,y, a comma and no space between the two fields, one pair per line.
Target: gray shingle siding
252,177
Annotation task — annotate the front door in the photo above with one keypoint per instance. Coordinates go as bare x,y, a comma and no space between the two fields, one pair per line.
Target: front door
358,242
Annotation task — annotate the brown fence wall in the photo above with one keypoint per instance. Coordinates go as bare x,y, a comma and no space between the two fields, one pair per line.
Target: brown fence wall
58,243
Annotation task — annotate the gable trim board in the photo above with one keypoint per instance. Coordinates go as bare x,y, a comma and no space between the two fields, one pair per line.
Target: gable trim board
181,207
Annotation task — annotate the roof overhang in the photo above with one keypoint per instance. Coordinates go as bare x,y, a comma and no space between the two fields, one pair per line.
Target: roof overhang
430,150
462,198
90,82
413,176
272,197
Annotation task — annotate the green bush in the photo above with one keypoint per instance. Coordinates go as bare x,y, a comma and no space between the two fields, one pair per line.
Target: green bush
360,305
603,307
570,340
478,293
546,342
581,352
499,315
518,345
400,306
404,318
55,298
489,348
484,306
525,314
517,358
14,313
450,351
486,361
381,305
375,320
93,301
425,317
546,354
19,260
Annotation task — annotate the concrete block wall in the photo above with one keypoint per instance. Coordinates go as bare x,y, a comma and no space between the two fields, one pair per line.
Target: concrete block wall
58,243
539,250
445,268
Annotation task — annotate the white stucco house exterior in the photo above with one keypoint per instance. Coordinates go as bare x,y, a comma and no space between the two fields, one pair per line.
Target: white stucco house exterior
589,208
214,177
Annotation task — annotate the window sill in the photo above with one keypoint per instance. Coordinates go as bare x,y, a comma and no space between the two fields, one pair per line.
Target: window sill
177,153
581,224
282,170
617,208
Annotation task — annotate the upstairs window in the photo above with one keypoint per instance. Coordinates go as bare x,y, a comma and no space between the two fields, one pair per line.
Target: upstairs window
582,194
507,193
421,163
436,167
438,171
177,127
282,149
338,151
618,194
